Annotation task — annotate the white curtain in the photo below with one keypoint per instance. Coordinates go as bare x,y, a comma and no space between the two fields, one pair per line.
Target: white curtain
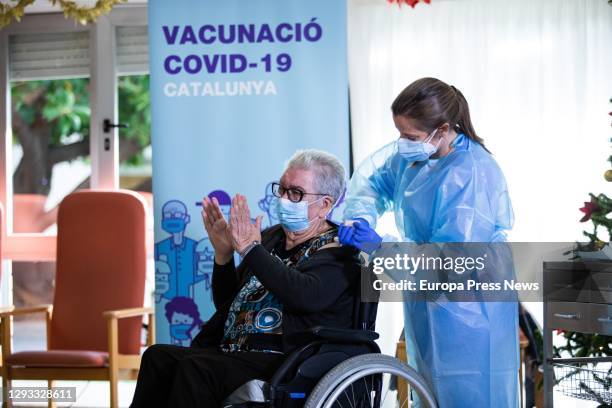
537,76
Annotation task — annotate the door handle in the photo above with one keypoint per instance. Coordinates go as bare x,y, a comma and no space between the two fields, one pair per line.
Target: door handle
568,316
107,125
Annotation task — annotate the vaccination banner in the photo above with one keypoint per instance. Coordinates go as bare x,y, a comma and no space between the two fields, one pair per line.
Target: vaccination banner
237,87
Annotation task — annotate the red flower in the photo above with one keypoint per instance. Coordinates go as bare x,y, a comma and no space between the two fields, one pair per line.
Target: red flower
411,3
588,210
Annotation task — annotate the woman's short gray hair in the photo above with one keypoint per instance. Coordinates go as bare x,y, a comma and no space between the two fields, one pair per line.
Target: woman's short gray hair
329,171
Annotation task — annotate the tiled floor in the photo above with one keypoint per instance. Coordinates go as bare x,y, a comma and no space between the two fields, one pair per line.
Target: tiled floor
30,335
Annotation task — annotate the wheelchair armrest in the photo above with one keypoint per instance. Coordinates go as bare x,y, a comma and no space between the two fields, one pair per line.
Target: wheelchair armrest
342,335
316,336
293,358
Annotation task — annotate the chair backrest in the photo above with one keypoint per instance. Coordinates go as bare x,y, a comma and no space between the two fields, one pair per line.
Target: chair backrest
101,263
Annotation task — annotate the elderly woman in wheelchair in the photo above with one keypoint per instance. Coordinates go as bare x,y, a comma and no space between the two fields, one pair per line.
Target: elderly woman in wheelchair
286,315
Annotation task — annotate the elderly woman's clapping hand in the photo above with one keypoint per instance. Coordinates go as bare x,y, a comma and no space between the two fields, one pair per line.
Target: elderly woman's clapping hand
218,230
242,231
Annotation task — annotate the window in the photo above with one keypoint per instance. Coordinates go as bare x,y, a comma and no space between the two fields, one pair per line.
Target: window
56,82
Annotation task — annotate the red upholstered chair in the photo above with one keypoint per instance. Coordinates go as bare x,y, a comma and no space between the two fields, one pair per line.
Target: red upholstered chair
2,236
94,325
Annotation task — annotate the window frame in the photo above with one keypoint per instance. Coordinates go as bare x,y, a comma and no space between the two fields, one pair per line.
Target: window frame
103,103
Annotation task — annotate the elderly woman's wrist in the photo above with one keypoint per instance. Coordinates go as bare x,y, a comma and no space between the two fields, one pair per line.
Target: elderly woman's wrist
243,251
221,258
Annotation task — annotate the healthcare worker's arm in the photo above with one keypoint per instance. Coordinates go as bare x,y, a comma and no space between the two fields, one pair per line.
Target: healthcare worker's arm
472,204
370,190
315,286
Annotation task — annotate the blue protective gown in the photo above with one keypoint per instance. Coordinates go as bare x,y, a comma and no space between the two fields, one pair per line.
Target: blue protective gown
467,351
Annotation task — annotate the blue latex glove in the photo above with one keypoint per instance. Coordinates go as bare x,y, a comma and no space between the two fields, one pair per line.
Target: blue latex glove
345,234
359,235
365,238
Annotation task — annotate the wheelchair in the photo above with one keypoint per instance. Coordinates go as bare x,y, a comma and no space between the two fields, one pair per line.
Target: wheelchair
337,368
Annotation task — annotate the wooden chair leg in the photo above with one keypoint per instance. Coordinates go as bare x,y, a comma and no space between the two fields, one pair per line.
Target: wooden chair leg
50,401
114,394
403,389
5,331
113,363
6,403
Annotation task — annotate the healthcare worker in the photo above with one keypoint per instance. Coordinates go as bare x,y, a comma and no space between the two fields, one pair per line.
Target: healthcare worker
443,185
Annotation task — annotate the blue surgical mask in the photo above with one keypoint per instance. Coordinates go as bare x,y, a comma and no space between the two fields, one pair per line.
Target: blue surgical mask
173,225
180,331
412,150
293,216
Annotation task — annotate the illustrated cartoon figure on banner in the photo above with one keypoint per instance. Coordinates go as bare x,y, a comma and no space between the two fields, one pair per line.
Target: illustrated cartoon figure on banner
205,255
178,250
224,199
265,204
225,202
201,293
162,278
184,318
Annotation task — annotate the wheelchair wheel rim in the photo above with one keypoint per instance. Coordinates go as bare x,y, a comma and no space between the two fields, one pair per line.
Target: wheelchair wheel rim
351,371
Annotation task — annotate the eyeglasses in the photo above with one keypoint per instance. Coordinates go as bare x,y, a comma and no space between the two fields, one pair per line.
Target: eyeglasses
174,214
294,195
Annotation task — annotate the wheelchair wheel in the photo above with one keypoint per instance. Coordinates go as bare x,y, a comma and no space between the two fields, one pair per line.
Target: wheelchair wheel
368,381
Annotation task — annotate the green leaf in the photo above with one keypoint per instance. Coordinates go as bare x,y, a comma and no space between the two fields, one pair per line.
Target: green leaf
50,112
76,121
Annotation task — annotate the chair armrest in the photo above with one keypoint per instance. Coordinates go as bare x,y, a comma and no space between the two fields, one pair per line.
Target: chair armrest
316,336
27,310
295,356
112,316
341,335
6,325
124,313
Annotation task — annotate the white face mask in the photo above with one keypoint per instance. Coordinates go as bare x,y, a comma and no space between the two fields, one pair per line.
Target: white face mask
413,150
